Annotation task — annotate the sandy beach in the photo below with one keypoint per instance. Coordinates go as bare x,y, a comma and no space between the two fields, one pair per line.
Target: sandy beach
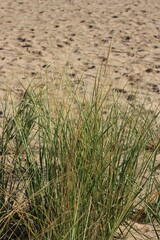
36,33
78,34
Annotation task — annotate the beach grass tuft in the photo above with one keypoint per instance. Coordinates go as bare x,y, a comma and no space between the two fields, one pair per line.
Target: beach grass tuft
77,167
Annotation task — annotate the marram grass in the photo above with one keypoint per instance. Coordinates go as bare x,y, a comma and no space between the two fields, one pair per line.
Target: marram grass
76,168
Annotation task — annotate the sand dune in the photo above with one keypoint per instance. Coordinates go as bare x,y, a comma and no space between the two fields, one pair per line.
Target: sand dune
36,33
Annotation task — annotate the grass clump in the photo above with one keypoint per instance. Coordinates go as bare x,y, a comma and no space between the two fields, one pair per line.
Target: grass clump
76,168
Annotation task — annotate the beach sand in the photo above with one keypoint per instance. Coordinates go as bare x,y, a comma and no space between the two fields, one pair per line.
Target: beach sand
36,33
78,34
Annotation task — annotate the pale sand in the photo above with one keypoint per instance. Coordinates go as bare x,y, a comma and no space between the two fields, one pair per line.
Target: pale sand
37,32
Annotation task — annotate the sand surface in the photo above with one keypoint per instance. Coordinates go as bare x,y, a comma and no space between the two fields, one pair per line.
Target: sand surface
78,34
39,32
